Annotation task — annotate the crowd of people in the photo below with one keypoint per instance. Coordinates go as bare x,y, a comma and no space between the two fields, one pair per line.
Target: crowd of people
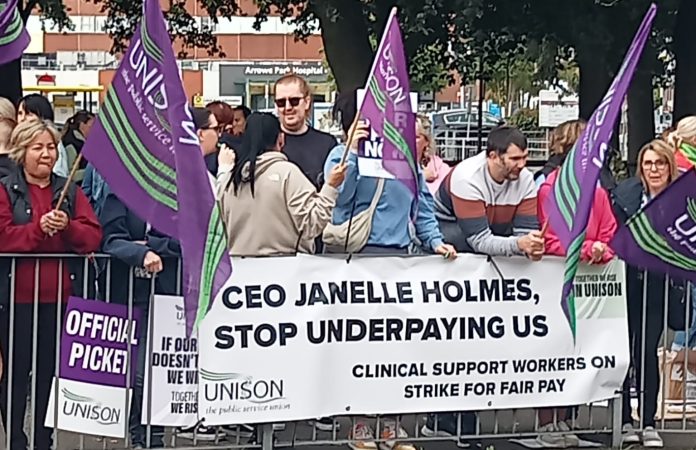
285,187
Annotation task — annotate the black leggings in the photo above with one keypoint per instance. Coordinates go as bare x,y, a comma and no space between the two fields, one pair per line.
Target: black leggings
646,369
21,366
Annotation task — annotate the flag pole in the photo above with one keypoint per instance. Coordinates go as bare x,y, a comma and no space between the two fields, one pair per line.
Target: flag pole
350,137
392,15
61,199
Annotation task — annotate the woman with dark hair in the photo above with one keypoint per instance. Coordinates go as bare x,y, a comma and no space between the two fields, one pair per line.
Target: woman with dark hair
208,129
34,106
241,114
268,205
224,114
75,132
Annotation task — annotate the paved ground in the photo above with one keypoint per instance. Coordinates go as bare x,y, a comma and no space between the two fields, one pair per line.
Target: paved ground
302,435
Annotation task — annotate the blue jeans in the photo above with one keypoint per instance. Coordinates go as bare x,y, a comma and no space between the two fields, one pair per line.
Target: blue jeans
680,337
137,430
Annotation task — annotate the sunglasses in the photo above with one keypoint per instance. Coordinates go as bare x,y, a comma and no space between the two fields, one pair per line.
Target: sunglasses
282,102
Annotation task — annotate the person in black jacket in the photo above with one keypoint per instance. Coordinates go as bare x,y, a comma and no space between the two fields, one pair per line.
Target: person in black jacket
139,252
657,168
7,166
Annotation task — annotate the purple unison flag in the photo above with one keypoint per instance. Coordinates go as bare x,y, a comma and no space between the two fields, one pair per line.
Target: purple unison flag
131,142
662,236
207,266
387,105
14,37
95,341
146,147
570,202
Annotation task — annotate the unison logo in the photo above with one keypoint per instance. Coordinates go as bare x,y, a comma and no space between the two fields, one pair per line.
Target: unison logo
684,228
75,405
237,386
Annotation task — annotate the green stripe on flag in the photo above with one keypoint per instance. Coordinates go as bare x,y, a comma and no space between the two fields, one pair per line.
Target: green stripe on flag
395,137
567,191
127,154
689,151
215,250
651,242
148,44
14,30
166,170
377,94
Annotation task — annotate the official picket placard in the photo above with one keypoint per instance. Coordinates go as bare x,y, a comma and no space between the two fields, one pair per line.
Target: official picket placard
370,151
174,370
304,337
94,384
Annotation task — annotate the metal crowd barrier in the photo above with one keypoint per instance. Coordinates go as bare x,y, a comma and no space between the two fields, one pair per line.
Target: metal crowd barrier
456,145
599,422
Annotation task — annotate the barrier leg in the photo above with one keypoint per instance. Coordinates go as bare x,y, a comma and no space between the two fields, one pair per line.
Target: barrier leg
616,419
267,436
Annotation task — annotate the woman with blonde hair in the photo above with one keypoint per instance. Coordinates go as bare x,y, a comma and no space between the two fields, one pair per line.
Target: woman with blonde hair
31,222
435,170
645,291
683,139
562,139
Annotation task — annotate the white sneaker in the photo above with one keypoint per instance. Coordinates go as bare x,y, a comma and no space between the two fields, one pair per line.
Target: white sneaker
362,437
389,434
550,438
201,433
651,439
629,435
571,439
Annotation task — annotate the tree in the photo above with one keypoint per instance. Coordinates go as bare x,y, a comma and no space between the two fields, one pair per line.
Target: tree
425,26
10,74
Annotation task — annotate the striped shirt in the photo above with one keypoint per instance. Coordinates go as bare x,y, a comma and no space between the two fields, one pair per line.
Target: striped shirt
489,216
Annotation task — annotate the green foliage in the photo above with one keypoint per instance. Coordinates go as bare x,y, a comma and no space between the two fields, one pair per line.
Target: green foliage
525,119
513,44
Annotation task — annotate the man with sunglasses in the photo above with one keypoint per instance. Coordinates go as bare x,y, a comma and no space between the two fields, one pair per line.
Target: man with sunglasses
305,146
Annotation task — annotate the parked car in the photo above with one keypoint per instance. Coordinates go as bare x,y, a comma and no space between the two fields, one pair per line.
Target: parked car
456,132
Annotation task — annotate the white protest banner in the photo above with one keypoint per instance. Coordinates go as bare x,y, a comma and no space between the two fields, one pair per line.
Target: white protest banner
94,379
307,336
370,151
174,369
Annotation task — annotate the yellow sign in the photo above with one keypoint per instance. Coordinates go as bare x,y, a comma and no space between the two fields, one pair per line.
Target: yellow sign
198,101
63,107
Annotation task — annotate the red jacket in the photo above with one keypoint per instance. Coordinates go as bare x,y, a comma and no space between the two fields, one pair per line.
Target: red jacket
82,236
600,228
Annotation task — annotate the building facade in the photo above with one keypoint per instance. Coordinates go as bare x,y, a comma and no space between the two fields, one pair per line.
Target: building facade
252,59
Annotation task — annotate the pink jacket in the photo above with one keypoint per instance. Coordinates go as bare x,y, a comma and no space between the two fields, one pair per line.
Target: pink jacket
600,228
439,169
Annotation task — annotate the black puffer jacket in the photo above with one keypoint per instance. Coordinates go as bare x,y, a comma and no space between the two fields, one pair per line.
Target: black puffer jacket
627,199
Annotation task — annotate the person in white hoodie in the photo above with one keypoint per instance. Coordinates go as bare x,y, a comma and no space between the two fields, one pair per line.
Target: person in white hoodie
268,204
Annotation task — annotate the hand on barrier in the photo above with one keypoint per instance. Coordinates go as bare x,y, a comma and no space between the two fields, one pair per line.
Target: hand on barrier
337,175
598,250
152,262
447,251
532,245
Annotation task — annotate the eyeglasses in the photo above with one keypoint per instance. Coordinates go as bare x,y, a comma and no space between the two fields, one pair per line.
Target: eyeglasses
659,164
282,102
217,129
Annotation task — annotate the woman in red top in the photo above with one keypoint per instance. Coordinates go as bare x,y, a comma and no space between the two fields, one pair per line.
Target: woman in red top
595,250
29,223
